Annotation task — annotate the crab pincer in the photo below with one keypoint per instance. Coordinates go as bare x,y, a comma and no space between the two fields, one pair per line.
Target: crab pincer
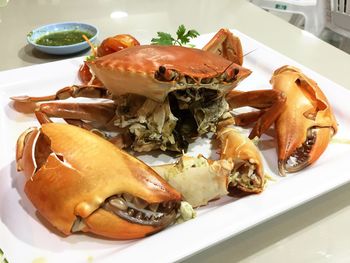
80,182
306,124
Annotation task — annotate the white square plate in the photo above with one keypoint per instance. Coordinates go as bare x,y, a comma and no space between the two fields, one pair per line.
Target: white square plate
26,237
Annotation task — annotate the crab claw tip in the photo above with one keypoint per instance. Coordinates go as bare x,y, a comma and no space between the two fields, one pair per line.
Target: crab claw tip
281,168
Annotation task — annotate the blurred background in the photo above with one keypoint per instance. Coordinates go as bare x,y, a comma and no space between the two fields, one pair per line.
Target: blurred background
329,20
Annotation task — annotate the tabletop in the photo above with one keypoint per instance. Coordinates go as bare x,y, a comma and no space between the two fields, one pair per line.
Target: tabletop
314,232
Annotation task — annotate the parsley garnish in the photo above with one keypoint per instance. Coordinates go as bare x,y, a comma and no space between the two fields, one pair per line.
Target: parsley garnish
183,37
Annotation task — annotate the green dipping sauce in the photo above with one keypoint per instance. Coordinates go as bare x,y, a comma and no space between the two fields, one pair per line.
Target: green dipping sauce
63,38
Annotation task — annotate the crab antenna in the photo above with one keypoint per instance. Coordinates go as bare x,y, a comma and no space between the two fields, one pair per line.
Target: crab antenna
246,54
227,67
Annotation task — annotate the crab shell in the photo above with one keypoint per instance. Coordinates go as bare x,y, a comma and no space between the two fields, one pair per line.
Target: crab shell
82,171
154,71
307,122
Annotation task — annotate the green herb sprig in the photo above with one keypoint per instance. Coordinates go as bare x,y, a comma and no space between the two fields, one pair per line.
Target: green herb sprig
183,37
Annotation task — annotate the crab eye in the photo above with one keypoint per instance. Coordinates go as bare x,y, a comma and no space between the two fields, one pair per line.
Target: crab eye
230,75
190,80
206,80
164,74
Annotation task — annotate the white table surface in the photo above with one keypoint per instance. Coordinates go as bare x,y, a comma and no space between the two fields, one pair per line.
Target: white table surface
315,232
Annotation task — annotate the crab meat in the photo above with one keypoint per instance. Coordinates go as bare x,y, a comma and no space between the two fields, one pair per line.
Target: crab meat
247,174
198,180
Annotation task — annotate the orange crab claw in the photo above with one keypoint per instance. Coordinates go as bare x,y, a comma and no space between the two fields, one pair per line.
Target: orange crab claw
248,173
306,123
80,182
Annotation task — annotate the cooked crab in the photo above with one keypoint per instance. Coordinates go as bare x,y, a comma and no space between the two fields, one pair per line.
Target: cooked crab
164,96
161,97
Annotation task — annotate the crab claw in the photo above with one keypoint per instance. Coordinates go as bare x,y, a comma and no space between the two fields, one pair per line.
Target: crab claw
306,123
80,182
247,174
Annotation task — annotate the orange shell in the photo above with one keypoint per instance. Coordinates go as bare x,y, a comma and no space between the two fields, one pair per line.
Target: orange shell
82,171
306,107
132,70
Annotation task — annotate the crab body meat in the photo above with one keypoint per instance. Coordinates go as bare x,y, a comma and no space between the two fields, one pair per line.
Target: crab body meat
248,173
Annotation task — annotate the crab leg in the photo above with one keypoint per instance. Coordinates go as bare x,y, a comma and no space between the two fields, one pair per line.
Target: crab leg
247,118
78,113
74,91
78,123
99,112
270,101
102,113
225,44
